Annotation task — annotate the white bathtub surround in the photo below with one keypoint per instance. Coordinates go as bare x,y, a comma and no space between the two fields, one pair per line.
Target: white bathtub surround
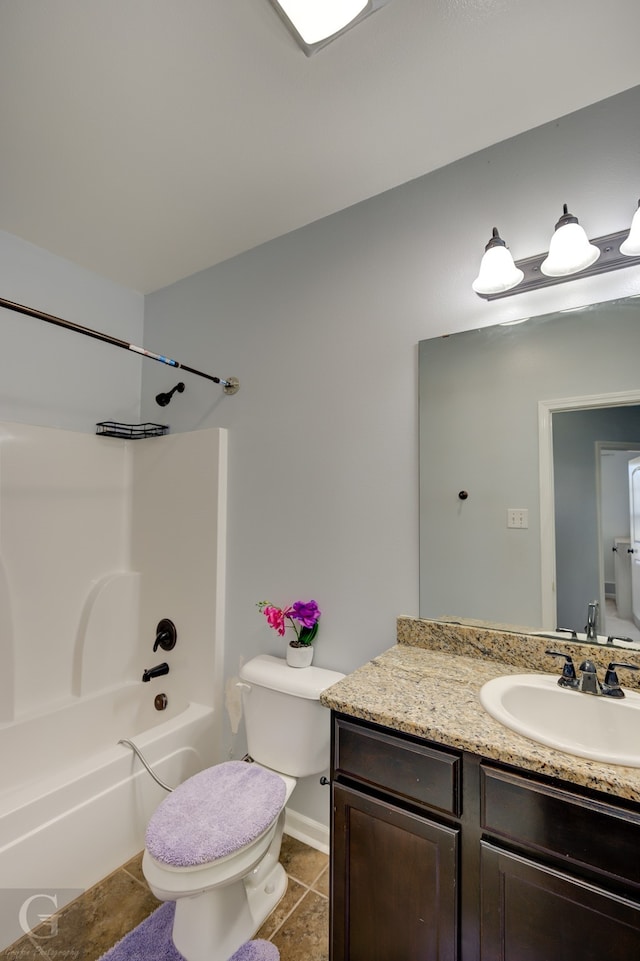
100,539
71,827
64,509
179,516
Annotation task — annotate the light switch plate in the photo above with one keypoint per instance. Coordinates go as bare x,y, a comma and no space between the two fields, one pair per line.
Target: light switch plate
517,517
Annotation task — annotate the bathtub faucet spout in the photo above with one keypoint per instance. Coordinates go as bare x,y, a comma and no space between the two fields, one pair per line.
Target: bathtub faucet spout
156,671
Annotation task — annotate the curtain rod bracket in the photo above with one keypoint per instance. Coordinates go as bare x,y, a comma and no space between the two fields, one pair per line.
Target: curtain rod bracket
232,385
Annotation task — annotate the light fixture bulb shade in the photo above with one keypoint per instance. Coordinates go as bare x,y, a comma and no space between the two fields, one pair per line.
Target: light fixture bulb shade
631,246
497,272
570,249
314,23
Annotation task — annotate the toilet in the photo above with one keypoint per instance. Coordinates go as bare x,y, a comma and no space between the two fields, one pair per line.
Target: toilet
213,844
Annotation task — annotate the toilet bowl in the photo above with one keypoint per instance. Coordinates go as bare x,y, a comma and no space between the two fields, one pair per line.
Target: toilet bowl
213,844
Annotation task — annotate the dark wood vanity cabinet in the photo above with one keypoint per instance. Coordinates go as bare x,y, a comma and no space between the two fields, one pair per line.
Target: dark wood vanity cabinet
439,855
398,871
395,866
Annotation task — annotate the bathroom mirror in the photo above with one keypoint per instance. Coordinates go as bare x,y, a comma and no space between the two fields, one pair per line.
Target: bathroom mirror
497,543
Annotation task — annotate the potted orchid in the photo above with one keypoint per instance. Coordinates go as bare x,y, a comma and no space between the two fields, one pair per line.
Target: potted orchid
303,617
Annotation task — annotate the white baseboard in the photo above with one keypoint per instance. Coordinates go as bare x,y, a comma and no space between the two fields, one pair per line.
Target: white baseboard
302,828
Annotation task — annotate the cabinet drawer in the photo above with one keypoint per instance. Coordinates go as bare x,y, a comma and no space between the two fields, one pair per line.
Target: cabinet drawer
555,821
398,765
531,911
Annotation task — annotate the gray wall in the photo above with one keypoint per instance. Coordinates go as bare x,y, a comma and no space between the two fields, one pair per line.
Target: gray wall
322,326
52,377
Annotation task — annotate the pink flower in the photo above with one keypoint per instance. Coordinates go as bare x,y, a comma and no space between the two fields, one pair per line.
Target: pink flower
275,617
305,613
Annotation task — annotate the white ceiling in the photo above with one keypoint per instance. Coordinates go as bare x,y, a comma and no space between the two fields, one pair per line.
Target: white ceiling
148,139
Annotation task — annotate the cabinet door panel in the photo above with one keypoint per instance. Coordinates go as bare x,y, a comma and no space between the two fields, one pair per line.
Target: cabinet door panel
534,913
394,892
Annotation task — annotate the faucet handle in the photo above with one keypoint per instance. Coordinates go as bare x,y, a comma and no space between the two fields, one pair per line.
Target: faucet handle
611,686
166,635
568,677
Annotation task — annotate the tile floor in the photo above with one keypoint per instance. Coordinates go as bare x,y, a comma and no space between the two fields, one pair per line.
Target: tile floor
89,926
616,625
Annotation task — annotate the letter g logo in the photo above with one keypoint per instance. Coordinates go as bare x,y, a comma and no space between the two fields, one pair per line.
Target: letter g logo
27,923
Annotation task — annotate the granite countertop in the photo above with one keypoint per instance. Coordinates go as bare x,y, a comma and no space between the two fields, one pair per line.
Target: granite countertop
428,685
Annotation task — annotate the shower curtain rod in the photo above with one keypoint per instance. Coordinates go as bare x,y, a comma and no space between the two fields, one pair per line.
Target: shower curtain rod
230,386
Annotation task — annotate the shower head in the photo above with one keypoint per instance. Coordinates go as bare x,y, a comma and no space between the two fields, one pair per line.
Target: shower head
163,399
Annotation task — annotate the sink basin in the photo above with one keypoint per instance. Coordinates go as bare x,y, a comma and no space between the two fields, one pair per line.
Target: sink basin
599,728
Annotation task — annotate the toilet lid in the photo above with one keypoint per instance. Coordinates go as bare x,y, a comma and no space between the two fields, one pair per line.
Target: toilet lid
214,814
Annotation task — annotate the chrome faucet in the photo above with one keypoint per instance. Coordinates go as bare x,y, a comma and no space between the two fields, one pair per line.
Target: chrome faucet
588,682
591,628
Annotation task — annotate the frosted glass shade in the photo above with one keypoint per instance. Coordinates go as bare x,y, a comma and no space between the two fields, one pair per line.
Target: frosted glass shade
497,272
631,246
318,20
569,252
314,23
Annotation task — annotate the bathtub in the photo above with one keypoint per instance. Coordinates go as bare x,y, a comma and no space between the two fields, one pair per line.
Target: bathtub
74,804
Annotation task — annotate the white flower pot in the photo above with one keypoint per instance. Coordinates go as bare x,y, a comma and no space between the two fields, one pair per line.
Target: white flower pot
300,656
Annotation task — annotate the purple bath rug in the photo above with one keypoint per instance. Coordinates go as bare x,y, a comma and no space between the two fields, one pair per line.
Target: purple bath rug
151,941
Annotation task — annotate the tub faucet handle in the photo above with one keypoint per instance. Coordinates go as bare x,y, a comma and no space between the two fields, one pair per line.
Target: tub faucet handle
166,635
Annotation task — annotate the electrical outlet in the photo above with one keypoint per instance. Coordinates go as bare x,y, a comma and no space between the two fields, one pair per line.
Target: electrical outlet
517,517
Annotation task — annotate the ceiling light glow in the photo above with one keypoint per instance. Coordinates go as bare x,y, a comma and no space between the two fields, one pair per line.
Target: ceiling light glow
315,23
317,20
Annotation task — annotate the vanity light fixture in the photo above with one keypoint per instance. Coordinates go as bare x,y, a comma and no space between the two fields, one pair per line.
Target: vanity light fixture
315,23
571,254
569,250
498,273
631,246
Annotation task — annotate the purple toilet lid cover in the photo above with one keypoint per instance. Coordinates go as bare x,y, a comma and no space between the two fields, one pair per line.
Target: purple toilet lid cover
258,950
214,813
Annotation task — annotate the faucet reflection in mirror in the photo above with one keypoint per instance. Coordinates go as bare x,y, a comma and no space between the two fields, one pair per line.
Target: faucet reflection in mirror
571,253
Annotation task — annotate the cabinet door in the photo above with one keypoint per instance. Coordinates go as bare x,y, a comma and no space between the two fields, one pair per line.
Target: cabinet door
534,913
394,894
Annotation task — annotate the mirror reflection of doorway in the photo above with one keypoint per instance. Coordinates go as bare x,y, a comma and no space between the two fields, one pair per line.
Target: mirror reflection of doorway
634,519
616,540
583,551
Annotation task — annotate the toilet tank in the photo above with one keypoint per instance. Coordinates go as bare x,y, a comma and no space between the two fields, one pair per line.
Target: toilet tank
288,729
